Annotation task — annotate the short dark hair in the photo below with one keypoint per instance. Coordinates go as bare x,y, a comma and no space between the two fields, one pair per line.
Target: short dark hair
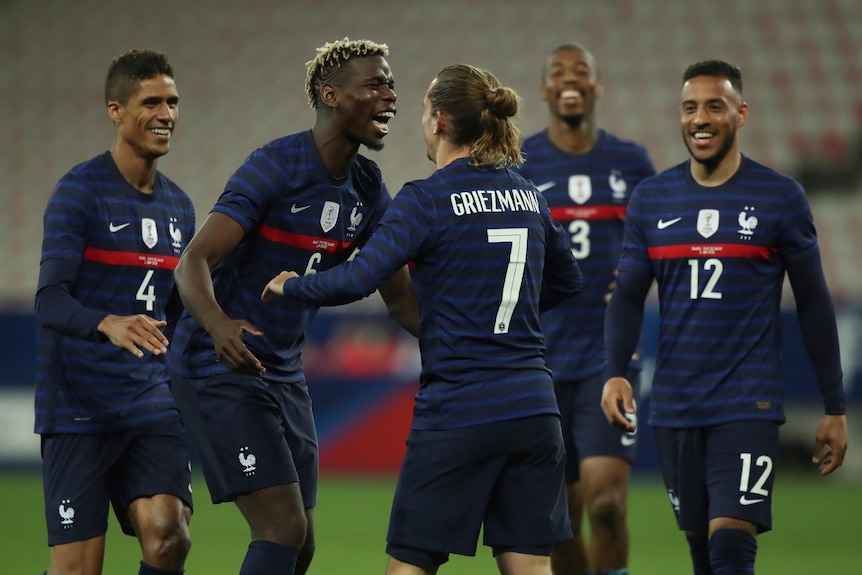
131,68
717,68
571,46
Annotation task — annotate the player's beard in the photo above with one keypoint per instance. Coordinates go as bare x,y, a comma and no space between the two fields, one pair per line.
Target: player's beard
374,145
712,162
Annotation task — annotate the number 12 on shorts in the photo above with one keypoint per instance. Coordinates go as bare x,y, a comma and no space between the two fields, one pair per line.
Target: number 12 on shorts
762,473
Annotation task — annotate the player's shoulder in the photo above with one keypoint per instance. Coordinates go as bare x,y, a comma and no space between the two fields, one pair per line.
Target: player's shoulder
367,168
173,189
79,181
286,146
754,170
88,169
671,176
538,140
621,145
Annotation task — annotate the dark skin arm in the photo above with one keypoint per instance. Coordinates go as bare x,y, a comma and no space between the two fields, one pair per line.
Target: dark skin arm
400,298
217,238
397,291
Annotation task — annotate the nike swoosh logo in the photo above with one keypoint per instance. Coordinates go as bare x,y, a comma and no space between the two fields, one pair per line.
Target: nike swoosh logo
294,209
666,224
628,440
546,186
112,228
743,500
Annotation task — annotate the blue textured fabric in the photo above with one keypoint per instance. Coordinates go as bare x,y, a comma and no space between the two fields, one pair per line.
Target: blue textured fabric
485,256
587,194
296,217
107,248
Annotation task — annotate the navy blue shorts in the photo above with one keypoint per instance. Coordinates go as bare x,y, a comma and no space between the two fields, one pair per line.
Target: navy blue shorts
83,473
724,470
251,434
506,476
586,430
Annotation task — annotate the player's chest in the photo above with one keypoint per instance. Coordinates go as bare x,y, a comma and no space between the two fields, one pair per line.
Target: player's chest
341,217
142,229
740,223
585,188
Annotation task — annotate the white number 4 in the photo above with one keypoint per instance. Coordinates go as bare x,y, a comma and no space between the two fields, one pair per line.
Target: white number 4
514,273
147,292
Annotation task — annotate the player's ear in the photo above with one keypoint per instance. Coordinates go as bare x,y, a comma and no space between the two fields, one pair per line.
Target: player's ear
115,111
439,122
600,89
743,115
329,95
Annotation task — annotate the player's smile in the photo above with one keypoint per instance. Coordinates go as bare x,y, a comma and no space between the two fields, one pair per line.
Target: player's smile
571,98
162,134
702,138
381,121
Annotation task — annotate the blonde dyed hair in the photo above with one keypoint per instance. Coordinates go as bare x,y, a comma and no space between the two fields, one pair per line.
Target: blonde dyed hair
482,113
329,60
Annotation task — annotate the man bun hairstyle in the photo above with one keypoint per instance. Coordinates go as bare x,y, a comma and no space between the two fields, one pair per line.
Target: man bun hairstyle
481,111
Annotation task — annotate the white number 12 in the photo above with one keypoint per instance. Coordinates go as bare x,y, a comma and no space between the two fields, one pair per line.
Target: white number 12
514,273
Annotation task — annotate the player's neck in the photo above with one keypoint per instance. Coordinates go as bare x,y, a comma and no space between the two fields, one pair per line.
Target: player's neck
447,153
337,152
573,137
710,176
138,171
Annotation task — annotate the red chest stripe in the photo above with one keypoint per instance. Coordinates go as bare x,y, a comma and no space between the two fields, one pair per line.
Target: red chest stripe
710,250
301,241
588,213
131,259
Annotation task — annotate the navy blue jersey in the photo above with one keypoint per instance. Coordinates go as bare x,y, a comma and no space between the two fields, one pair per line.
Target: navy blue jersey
719,256
484,252
587,194
296,216
117,248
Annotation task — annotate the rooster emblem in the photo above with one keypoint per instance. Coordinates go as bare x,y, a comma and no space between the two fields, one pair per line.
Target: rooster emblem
617,184
176,234
247,460
747,223
67,513
355,219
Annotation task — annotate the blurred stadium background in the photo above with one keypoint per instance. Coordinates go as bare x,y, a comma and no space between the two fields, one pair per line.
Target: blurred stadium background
240,72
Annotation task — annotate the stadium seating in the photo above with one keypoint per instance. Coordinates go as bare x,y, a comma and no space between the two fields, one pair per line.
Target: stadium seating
240,71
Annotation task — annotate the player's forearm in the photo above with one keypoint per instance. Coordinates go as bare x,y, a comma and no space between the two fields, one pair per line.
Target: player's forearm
623,322
57,309
400,297
343,284
195,286
816,315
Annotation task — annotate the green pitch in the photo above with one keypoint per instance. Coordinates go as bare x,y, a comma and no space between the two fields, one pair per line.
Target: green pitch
817,531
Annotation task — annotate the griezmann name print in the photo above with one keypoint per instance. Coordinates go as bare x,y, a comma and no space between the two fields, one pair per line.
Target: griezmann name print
481,201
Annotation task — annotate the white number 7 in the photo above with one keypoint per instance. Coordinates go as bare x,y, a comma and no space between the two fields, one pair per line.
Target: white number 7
514,273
